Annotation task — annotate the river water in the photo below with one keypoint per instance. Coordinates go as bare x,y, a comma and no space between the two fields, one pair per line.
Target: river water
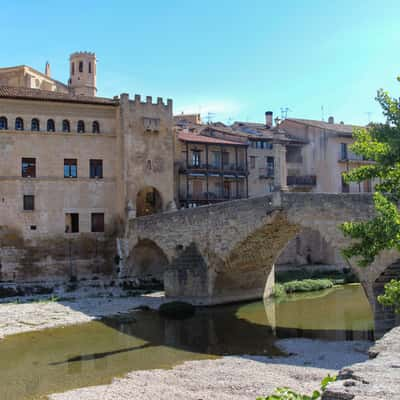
54,360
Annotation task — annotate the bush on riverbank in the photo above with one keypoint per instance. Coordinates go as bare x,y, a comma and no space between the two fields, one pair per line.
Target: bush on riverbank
338,277
305,285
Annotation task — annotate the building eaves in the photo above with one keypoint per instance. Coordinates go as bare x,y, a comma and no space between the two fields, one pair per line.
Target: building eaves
38,94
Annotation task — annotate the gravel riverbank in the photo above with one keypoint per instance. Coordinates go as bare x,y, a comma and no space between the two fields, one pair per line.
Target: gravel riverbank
32,316
232,378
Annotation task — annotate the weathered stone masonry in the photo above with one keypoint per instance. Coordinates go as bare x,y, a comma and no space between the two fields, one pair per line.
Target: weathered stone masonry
226,252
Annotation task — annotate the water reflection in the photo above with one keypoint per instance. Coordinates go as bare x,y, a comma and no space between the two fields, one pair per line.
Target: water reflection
54,360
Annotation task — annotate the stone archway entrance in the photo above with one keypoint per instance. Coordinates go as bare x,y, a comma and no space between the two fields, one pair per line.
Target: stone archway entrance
148,201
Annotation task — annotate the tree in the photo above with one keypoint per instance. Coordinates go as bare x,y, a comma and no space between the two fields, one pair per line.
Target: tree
380,143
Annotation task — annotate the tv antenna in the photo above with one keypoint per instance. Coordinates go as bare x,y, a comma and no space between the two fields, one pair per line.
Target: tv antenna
322,113
284,112
209,117
369,113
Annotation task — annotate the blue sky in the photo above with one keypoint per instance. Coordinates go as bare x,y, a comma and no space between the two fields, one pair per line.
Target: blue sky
236,59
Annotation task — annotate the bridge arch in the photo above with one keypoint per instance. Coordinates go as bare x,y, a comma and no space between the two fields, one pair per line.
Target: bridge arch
147,260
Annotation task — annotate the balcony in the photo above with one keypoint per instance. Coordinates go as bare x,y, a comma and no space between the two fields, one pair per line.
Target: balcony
203,168
266,173
197,199
305,180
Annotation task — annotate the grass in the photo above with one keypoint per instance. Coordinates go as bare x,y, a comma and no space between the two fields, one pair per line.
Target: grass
301,286
338,277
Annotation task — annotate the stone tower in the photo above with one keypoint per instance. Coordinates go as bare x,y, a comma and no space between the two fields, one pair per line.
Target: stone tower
82,80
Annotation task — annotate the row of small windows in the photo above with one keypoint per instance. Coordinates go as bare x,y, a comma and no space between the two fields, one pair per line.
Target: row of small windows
51,126
28,168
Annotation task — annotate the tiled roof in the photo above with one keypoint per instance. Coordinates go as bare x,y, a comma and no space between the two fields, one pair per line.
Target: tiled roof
340,128
187,137
38,94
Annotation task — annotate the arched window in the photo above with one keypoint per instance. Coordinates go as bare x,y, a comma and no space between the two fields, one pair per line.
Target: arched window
35,126
66,126
19,124
81,127
72,68
3,123
90,67
96,127
80,66
50,125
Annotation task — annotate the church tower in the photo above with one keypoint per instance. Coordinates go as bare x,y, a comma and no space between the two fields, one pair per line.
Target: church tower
82,80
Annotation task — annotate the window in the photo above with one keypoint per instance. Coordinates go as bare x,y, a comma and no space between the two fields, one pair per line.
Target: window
345,186
3,123
95,127
71,223
29,203
270,166
96,168
72,68
216,159
90,67
70,168
225,158
80,66
97,222
252,162
19,124
28,167
35,126
269,145
196,160
50,125
81,127
343,151
66,126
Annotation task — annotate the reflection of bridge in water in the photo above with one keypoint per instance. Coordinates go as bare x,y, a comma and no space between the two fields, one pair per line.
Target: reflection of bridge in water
93,353
226,252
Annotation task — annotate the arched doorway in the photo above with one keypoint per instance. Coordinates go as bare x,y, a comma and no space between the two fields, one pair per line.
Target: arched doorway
147,260
148,201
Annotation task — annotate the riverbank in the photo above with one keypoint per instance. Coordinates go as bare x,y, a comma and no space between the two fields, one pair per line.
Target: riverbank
19,317
376,379
233,378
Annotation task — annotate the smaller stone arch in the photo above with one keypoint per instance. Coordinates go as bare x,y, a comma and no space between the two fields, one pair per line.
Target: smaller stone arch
147,260
148,201
385,317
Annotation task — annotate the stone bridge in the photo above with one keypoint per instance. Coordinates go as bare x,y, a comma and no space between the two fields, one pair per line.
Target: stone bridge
226,252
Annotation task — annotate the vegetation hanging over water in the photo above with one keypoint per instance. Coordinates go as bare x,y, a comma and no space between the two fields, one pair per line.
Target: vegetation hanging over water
379,143
305,285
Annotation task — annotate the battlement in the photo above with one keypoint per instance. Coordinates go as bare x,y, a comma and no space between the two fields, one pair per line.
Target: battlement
137,100
82,53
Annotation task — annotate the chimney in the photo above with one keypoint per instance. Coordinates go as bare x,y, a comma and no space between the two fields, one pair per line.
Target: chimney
47,69
268,119
331,120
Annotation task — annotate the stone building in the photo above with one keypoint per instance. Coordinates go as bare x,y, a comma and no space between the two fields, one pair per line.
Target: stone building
326,156
73,169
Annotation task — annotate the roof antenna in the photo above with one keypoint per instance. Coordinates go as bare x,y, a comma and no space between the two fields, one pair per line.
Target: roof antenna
369,113
284,112
322,113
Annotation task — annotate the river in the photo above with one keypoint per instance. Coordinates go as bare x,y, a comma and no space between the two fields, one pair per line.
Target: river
54,360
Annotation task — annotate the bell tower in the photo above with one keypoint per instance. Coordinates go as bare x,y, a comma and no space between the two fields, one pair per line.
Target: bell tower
82,74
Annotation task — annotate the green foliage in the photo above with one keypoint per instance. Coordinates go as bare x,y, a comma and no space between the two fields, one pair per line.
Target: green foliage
391,297
344,275
278,291
379,143
288,394
307,285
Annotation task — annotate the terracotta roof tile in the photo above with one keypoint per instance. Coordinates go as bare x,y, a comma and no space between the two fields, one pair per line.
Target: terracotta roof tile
187,137
38,94
340,128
